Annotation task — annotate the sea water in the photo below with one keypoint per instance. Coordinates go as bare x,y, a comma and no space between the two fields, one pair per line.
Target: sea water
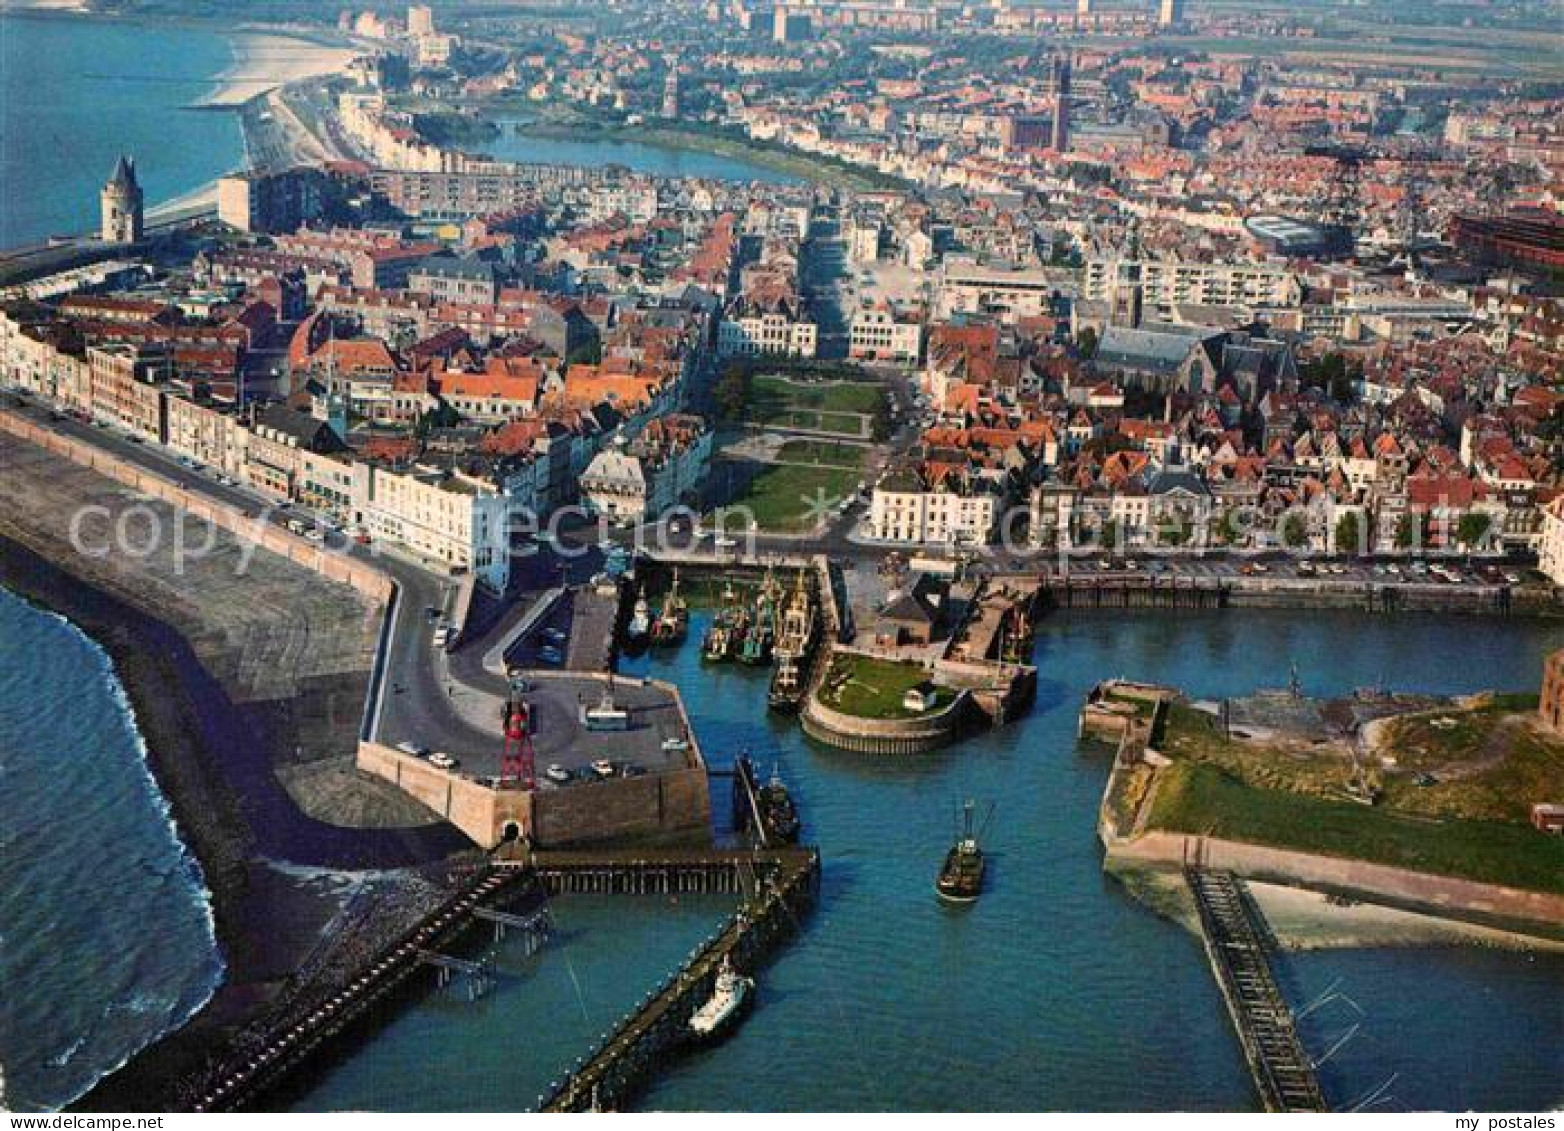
76,93
1056,990
106,938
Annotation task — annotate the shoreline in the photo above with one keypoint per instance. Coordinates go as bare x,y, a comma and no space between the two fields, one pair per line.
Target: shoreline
269,912
1303,919
258,68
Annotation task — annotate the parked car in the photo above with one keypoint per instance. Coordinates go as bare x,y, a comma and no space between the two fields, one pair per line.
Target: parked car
442,761
442,636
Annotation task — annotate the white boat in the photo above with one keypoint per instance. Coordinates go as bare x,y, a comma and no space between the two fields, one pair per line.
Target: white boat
603,768
640,619
558,773
728,998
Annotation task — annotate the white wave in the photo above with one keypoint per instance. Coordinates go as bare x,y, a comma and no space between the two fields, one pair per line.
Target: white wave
173,1013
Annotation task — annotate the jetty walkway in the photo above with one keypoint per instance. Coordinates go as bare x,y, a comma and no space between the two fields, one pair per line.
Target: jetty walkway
782,883
1236,946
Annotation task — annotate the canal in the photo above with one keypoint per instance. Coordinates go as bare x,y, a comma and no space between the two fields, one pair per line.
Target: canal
1056,991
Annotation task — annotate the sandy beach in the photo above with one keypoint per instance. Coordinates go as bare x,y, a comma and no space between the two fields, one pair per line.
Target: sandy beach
263,61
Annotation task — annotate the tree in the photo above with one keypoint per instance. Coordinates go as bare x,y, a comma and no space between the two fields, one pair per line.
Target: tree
731,393
1409,531
1473,528
1349,533
1295,531
1086,341
1226,530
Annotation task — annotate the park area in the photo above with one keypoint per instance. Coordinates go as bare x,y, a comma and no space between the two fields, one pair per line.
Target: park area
1451,791
871,688
806,481
835,403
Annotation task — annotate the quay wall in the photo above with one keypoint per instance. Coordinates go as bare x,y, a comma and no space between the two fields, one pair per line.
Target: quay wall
365,578
883,736
656,806
1423,891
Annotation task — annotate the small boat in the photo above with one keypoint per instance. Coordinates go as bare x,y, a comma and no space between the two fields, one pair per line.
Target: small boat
729,997
960,878
640,619
603,768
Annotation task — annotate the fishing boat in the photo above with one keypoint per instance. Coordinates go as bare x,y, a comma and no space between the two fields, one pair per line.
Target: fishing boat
673,620
640,619
729,998
777,810
723,635
960,878
795,649
788,679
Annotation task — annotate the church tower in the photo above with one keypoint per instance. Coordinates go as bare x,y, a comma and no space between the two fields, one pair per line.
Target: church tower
120,203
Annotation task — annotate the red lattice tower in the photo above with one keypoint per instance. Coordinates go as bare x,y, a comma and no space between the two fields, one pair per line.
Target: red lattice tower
516,760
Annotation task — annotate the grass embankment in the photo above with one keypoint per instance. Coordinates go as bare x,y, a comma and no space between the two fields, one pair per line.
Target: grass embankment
1200,799
874,689
1455,802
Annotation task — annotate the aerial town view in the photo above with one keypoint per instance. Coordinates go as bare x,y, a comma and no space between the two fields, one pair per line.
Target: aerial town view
782,555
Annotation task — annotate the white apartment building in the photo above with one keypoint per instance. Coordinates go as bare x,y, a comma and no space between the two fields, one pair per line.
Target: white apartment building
904,509
1177,282
775,333
1007,293
1550,546
880,335
460,522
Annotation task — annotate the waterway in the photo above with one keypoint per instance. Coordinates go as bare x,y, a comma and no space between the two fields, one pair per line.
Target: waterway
76,93
106,937
1057,990
515,144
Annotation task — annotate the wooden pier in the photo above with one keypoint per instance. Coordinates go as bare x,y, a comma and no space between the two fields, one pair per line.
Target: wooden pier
780,884
253,1067
1236,946
747,815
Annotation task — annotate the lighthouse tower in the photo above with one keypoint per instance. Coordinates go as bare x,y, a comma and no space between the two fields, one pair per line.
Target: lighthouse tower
120,203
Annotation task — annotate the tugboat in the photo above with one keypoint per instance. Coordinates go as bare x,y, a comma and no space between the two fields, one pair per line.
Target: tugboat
673,621
640,620
729,998
777,810
960,879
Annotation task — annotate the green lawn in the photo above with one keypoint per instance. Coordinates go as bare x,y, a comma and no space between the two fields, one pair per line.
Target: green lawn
823,452
771,395
790,497
1200,799
873,689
